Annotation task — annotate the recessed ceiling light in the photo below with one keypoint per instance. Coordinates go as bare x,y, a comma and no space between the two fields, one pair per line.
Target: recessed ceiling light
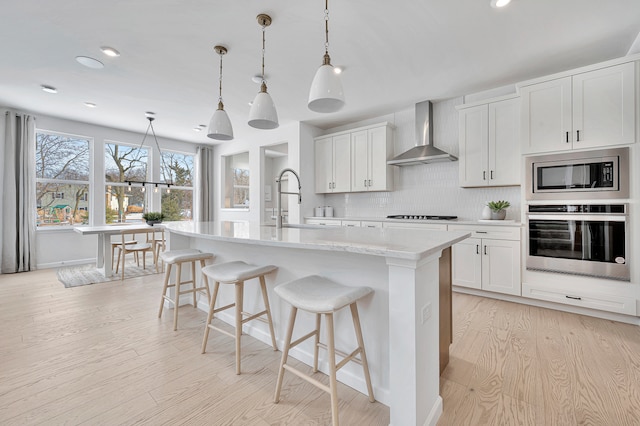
258,78
197,129
110,51
89,62
90,105
499,3
49,89
149,114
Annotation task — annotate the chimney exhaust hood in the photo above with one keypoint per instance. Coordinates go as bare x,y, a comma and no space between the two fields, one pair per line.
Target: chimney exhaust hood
423,152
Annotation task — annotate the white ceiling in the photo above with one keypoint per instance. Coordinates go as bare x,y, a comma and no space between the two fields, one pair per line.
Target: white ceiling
395,53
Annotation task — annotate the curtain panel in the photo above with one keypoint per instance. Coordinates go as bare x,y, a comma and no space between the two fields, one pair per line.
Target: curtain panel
204,188
19,194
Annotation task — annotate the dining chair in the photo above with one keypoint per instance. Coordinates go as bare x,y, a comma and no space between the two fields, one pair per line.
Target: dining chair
138,248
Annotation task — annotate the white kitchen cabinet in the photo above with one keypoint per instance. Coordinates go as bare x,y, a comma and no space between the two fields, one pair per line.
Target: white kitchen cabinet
324,222
415,225
370,150
586,110
370,224
355,160
489,144
489,260
333,163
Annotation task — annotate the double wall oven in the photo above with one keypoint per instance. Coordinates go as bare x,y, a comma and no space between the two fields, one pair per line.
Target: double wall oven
577,217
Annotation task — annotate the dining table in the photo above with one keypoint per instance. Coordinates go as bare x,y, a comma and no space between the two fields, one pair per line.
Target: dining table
104,260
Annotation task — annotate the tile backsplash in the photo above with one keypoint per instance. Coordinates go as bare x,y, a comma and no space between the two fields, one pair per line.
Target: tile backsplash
425,188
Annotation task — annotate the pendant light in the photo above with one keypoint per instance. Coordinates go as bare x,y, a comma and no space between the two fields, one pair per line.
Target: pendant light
220,125
326,93
263,114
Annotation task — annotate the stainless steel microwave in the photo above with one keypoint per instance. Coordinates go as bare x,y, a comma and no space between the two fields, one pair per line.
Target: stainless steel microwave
584,175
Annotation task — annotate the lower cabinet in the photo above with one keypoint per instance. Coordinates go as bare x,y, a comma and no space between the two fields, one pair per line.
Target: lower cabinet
489,260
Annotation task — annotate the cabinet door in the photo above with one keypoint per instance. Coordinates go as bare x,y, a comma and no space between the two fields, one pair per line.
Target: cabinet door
546,116
342,163
473,140
324,165
466,263
379,172
501,266
359,161
504,143
604,107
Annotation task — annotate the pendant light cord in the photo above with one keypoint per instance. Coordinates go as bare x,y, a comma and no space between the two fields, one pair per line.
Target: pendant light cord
326,26
263,50
220,80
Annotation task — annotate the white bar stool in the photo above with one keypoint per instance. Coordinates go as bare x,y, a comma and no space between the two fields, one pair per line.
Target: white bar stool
323,296
237,273
178,257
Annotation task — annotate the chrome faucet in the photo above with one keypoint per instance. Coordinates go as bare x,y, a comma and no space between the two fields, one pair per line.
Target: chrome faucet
279,201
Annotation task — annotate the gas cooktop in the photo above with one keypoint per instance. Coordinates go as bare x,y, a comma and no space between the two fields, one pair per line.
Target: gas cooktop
421,217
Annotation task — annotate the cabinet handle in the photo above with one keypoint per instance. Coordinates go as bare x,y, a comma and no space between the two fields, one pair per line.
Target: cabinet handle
491,174
477,248
365,182
484,175
481,232
574,297
369,182
567,137
577,135
485,250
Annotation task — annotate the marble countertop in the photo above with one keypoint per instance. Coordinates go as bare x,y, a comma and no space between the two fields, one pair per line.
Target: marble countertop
394,243
440,222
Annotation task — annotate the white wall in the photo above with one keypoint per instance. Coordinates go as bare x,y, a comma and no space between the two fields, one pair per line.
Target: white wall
425,188
55,247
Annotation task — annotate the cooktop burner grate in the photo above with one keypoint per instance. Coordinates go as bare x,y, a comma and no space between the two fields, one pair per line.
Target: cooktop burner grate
421,217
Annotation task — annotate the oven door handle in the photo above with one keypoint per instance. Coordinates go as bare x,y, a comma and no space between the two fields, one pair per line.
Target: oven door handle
579,217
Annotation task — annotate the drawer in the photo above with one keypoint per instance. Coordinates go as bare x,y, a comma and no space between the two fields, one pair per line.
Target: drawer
412,225
585,299
370,224
324,222
351,223
495,232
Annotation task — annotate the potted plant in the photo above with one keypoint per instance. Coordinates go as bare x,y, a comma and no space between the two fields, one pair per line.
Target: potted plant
498,211
153,217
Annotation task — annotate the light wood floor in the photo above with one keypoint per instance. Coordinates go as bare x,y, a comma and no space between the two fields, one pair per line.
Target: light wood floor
99,355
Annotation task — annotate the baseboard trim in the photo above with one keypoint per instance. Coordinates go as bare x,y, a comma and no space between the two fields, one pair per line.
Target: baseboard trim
65,263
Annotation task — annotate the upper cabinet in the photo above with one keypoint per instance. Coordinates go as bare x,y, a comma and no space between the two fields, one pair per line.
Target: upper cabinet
591,109
333,163
370,150
489,144
355,161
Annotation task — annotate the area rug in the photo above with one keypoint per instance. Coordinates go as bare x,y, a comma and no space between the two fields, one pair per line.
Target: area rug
74,276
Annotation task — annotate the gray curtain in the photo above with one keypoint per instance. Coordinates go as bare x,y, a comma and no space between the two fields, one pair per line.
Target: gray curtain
204,185
19,194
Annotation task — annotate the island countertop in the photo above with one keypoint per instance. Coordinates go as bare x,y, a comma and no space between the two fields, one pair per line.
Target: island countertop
411,244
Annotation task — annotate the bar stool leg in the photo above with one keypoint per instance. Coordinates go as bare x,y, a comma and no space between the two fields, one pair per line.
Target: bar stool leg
333,384
167,276
265,298
176,301
239,307
285,352
205,281
316,346
193,283
212,305
363,354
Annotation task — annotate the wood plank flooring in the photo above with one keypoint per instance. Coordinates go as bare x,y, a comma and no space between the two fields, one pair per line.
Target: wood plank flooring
98,355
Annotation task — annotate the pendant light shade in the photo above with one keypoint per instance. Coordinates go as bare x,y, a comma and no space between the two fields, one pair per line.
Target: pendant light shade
263,114
220,125
326,94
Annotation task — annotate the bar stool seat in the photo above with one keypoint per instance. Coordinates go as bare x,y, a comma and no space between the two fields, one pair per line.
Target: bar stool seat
178,257
237,272
322,296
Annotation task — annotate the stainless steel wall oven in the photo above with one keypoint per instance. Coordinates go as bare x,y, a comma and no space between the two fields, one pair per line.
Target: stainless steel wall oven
582,239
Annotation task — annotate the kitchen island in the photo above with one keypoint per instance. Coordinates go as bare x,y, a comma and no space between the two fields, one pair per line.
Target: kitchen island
400,319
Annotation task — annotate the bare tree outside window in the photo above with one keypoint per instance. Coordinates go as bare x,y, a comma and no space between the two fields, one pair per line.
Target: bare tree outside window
124,163
177,169
62,179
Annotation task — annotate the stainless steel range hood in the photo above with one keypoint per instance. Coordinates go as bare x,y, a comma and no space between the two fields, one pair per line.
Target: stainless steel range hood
424,152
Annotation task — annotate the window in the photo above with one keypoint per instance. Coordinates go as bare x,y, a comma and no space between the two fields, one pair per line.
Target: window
62,179
236,181
124,202
177,203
